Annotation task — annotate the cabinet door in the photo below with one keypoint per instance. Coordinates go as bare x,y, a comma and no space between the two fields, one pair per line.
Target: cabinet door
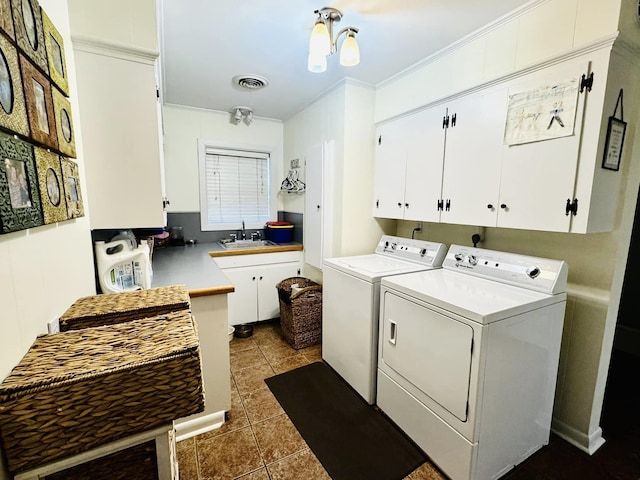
538,177
423,178
267,278
473,152
390,158
314,206
243,302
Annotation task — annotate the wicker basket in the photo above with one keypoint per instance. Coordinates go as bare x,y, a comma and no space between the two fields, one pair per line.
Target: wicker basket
135,463
98,310
300,312
77,390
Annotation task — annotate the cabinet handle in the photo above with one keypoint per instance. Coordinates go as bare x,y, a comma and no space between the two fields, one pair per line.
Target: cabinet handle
254,278
447,205
503,206
406,205
318,207
399,205
490,207
261,277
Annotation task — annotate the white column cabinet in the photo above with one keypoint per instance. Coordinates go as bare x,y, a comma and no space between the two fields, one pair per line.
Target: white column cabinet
254,278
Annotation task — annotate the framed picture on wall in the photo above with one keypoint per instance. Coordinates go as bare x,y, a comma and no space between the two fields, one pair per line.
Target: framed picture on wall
6,19
27,20
37,92
72,192
55,55
64,125
13,113
52,198
19,198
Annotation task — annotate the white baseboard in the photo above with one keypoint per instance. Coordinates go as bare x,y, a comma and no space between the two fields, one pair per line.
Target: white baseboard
196,424
586,443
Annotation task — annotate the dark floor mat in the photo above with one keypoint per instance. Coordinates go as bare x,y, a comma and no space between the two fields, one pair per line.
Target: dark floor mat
351,439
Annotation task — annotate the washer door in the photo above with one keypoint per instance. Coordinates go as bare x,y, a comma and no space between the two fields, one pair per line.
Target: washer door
430,350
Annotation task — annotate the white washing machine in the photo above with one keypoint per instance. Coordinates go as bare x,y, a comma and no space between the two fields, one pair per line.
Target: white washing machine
468,358
351,304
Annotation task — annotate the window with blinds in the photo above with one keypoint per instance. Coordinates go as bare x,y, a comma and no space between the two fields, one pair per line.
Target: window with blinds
236,189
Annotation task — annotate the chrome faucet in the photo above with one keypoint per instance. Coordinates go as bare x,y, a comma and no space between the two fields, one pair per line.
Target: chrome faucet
243,233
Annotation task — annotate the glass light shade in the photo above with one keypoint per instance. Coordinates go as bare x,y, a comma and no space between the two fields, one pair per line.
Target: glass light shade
350,52
320,41
317,63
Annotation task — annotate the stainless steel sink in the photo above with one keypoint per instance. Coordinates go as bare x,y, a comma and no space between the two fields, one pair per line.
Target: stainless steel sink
242,244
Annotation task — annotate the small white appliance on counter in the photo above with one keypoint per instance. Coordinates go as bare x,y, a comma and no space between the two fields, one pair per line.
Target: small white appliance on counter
468,358
351,300
122,268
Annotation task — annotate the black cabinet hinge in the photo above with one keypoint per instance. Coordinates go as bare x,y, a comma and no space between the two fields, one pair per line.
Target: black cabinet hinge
445,121
440,205
586,82
453,119
571,207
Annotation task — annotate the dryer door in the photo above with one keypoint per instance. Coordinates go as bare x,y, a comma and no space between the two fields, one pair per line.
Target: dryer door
430,350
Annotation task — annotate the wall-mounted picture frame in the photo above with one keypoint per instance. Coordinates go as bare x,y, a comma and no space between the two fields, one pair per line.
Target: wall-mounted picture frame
27,20
19,197
614,143
72,191
13,112
64,124
37,92
55,55
50,181
6,19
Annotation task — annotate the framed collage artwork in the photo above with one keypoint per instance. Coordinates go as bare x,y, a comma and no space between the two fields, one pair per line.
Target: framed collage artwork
27,21
64,124
39,183
55,55
13,113
19,195
54,204
73,195
37,92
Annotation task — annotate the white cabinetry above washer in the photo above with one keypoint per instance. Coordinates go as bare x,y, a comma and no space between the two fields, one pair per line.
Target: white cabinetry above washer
450,162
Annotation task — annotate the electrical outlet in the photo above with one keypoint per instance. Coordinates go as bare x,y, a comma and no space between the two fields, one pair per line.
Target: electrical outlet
53,325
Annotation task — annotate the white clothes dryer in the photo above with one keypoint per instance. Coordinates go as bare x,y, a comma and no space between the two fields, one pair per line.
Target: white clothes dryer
351,305
468,358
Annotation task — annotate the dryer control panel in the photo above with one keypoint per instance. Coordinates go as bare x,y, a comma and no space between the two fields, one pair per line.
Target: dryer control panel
535,273
419,251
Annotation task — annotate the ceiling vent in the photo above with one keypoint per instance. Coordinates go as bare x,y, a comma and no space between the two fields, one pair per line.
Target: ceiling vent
250,82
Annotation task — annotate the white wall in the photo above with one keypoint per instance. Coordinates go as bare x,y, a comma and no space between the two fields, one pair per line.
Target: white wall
343,115
183,126
44,270
596,261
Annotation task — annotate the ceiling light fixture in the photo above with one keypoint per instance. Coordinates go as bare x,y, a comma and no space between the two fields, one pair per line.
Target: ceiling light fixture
239,114
322,44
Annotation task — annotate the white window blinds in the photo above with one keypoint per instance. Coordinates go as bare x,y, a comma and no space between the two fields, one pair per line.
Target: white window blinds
237,187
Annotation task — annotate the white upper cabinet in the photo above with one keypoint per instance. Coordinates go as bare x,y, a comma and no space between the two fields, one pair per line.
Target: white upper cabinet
472,158
408,170
539,176
542,175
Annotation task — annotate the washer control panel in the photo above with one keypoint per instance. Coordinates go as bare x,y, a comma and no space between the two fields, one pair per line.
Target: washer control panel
540,274
419,251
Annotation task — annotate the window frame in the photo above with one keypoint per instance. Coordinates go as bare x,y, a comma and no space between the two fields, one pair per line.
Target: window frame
203,146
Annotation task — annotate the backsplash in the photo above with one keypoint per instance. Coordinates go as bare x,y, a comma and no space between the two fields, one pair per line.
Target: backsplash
190,223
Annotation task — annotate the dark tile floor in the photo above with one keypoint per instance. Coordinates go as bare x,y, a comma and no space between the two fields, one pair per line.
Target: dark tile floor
259,442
